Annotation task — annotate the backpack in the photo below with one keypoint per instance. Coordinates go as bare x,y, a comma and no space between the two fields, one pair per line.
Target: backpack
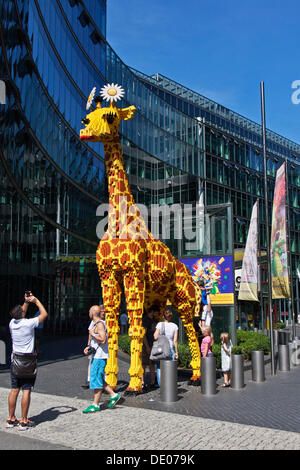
161,347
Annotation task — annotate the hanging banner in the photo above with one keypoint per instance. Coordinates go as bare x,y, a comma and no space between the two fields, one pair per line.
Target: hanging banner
249,275
279,255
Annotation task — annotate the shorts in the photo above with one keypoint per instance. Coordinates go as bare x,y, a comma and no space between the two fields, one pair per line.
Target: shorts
207,316
208,319
146,358
204,313
24,384
97,374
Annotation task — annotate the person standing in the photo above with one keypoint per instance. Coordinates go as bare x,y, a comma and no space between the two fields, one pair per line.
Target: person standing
92,311
207,342
171,332
123,323
22,334
99,343
226,347
149,323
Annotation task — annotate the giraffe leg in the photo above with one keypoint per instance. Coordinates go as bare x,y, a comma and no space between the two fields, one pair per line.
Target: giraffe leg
194,348
185,309
134,286
111,292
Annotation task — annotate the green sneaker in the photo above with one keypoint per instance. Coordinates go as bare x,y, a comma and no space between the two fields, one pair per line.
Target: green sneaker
91,409
113,401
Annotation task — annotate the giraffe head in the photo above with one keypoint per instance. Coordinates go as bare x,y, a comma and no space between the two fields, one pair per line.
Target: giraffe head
102,125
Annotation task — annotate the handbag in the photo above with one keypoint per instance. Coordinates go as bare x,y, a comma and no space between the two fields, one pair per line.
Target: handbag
161,347
24,366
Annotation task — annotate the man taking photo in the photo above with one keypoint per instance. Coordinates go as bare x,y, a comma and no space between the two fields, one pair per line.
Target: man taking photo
23,357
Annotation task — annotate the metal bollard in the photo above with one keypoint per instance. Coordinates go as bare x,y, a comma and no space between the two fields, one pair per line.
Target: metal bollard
237,373
283,337
275,336
288,334
258,366
168,381
283,357
208,376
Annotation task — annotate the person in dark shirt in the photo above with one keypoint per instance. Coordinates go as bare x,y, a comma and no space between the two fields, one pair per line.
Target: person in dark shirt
149,323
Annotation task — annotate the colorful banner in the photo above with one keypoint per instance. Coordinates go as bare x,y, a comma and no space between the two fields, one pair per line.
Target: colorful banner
218,272
279,255
249,275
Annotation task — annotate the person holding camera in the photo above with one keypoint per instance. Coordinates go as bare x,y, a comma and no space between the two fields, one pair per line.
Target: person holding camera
24,359
99,312
98,349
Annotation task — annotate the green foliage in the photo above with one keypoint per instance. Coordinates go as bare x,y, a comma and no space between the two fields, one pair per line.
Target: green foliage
124,343
184,356
279,325
236,350
248,341
216,350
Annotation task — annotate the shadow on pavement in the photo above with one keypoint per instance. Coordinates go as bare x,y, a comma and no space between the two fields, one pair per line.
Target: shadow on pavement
52,413
122,385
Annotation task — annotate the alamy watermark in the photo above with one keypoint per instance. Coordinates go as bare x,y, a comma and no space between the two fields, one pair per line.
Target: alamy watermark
128,220
2,92
296,94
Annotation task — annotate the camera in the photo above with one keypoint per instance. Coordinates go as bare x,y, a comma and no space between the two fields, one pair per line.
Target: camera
91,350
28,293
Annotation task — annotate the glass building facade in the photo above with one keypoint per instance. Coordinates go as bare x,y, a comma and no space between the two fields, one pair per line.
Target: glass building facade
178,146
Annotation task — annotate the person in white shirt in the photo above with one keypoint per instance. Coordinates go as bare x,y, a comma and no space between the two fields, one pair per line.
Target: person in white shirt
171,332
22,334
99,311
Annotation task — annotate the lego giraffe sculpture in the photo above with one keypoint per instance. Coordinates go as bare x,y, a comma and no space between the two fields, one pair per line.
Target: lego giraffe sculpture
129,256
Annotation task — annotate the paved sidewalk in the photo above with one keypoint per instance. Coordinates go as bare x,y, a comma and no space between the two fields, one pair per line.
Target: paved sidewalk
261,416
60,422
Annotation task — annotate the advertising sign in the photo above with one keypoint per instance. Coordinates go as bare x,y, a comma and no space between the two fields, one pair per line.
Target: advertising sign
217,272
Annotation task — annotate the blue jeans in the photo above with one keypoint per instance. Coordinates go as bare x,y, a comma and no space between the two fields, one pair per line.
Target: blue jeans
158,366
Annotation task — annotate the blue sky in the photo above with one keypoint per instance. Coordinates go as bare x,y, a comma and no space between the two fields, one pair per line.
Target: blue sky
221,49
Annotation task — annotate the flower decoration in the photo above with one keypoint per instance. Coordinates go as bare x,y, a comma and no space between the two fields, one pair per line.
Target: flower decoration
112,92
90,98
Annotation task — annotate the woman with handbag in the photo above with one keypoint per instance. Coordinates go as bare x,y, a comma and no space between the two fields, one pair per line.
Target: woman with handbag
24,359
170,330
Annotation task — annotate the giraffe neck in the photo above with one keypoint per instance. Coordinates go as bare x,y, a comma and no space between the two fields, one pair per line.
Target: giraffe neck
118,186
124,217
